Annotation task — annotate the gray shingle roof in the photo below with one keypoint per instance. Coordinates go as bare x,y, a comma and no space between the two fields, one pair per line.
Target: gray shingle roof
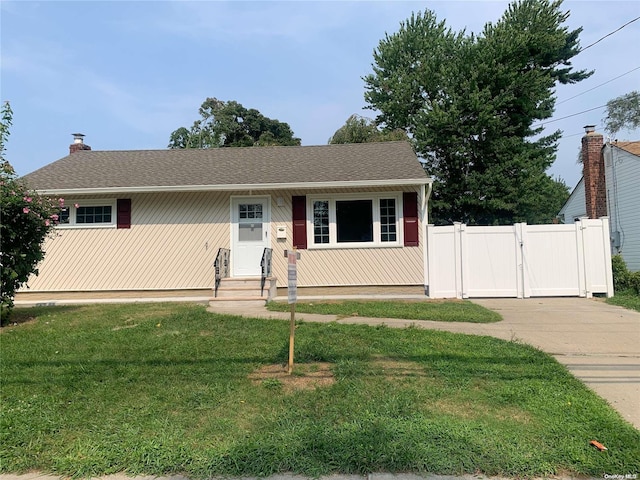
385,162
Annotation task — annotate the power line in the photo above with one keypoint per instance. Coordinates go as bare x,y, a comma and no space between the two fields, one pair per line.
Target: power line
597,86
569,116
609,34
542,124
575,134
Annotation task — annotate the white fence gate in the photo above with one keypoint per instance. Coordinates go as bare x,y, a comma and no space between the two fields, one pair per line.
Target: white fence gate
520,260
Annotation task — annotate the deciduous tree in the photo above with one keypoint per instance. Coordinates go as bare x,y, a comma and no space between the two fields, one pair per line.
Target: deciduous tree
469,103
358,129
623,112
229,124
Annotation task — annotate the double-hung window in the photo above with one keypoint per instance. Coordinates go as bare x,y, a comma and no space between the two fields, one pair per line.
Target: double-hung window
88,214
349,221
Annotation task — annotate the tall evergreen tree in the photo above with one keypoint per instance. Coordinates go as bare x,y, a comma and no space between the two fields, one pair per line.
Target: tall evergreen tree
470,101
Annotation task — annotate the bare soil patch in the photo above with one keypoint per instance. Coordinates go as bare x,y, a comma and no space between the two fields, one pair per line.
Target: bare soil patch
305,376
395,369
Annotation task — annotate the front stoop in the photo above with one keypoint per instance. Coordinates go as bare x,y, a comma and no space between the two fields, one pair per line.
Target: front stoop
242,292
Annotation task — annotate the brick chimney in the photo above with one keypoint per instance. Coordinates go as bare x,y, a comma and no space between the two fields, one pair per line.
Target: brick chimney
78,143
595,190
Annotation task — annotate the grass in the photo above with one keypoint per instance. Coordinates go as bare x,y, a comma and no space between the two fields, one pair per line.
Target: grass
442,311
164,389
628,299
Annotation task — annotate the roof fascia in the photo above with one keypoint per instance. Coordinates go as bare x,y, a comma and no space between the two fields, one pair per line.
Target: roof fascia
250,186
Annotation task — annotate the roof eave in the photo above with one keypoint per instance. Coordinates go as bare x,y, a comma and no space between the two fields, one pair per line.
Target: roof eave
228,187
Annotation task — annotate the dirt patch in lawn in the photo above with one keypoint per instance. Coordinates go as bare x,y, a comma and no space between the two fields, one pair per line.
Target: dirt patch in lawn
305,376
395,369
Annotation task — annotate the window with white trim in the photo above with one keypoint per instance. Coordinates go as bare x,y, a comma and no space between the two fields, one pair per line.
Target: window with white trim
88,214
356,220
321,221
388,220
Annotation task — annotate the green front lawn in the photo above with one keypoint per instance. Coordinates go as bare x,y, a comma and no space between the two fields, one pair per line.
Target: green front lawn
172,389
441,311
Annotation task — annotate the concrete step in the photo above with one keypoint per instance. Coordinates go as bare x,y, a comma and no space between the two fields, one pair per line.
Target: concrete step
240,282
243,286
233,292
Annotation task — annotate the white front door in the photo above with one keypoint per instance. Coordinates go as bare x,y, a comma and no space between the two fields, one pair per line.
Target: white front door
249,234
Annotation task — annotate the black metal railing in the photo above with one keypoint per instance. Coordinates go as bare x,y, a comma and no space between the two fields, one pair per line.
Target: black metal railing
265,264
221,266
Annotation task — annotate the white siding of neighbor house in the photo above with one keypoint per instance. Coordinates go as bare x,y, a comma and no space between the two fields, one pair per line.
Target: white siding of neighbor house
575,207
622,172
174,239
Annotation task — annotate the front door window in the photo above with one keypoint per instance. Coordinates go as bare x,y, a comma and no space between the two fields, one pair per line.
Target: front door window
250,222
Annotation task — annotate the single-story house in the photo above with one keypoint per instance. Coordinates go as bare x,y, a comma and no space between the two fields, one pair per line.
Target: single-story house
137,222
609,187
574,208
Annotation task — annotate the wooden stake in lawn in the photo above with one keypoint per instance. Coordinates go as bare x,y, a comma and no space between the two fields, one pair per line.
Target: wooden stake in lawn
292,290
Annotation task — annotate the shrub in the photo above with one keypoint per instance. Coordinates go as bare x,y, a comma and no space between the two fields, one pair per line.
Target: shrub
620,273
623,279
26,219
634,282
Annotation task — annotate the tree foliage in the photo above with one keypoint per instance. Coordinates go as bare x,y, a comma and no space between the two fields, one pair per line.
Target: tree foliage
469,103
623,112
26,219
229,124
358,129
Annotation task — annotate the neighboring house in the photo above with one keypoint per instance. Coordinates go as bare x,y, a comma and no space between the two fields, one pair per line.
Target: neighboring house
609,187
574,208
154,220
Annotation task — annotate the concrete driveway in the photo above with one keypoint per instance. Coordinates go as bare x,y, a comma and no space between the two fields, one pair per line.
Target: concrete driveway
597,342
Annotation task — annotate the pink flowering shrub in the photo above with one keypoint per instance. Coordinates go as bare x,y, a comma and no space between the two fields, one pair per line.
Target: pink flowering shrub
26,219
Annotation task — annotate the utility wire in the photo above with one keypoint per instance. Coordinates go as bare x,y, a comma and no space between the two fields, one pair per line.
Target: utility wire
575,134
582,50
568,116
597,86
609,34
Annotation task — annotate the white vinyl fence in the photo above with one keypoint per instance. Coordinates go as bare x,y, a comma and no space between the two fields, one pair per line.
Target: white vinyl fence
520,260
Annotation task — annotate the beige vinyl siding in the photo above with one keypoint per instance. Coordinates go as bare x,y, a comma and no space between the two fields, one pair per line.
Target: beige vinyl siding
346,266
174,238
171,244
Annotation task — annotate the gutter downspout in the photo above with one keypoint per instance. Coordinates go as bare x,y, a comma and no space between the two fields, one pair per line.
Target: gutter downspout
426,194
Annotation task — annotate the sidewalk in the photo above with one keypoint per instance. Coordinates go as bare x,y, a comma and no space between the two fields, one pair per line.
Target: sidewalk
597,342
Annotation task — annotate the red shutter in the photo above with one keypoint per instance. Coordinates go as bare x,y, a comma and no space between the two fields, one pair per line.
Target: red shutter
299,222
124,213
410,213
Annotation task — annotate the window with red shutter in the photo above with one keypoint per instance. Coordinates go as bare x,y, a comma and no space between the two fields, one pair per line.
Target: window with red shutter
410,213
124,212
299,221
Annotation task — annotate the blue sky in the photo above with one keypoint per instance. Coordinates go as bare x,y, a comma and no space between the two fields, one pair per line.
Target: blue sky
126,74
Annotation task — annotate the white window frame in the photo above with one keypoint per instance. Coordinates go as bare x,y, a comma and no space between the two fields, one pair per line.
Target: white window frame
70,204
377,242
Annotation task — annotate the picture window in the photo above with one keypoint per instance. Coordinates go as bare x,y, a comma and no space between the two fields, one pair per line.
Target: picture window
355,221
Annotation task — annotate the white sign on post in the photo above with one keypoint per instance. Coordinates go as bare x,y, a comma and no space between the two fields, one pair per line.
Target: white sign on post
292,270
292,257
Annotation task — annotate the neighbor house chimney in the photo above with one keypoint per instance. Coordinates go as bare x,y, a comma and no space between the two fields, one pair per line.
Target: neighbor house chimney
78,143
595,190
